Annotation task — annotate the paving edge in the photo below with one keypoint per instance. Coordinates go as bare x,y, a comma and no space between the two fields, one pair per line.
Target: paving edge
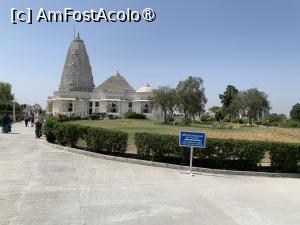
171,166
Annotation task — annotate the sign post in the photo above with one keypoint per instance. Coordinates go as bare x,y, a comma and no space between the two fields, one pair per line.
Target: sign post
192,139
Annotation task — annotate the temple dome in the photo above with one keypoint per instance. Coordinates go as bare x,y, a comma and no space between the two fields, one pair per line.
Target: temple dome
115,83
77,73
146,88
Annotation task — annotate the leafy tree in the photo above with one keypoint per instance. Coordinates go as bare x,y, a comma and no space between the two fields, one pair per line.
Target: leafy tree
295,112
191,96
165,98
220,115
5,93
214,109
252,101
228,95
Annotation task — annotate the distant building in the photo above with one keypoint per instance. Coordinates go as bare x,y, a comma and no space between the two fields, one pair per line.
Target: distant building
77,94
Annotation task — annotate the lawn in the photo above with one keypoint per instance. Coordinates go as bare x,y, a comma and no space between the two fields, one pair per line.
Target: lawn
290,135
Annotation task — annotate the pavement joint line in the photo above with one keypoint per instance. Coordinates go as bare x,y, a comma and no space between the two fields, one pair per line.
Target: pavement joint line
171,166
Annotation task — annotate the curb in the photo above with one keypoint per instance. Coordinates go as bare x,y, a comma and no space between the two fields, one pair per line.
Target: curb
171,166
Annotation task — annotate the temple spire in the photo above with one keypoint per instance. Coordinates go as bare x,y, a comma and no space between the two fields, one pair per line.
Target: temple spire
77,73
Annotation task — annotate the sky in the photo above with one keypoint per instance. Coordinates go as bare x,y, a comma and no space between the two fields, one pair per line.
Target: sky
254,43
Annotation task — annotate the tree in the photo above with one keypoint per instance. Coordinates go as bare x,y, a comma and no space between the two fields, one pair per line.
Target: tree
252,102
214,109
295,112
228,95
165,98
6,97
191,97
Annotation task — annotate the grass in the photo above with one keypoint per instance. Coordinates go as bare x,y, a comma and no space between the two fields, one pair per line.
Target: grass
290,135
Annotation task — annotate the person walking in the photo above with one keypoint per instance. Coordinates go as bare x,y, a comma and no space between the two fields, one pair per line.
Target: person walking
6,123
32,118
26,118
38,120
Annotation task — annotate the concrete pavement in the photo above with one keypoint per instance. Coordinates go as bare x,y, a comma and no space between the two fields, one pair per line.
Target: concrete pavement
42,185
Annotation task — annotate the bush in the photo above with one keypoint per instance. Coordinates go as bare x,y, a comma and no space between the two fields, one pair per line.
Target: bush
71,134
291,124
74,118
227,118
134,115
222,125
48,129
207,118
110,116
99,139
240,154
285,157
220,153
158,147
59,132
273,120
95,116
220,115
238,120
62,118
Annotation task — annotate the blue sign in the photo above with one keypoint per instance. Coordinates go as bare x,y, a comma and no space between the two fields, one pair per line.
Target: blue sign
192,139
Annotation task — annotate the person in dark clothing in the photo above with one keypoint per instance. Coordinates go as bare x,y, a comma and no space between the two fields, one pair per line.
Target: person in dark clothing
26,118
32,119
6,123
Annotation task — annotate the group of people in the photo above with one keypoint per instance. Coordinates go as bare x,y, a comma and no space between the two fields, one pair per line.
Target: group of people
36,120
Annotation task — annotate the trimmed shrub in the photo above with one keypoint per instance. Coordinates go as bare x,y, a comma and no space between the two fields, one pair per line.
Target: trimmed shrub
59,132
99,139
48,129
134,115
285,157
220,153
95,116
158,147
239,154
71,134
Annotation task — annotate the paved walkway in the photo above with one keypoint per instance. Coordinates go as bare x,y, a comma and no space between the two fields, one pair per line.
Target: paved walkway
41,185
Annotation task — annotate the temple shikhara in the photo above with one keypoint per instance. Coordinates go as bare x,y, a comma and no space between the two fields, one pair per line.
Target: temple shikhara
77,94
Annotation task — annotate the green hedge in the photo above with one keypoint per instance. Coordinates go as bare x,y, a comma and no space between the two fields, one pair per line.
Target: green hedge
134,115
97,139
220,153
48,129
158,147
285,157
